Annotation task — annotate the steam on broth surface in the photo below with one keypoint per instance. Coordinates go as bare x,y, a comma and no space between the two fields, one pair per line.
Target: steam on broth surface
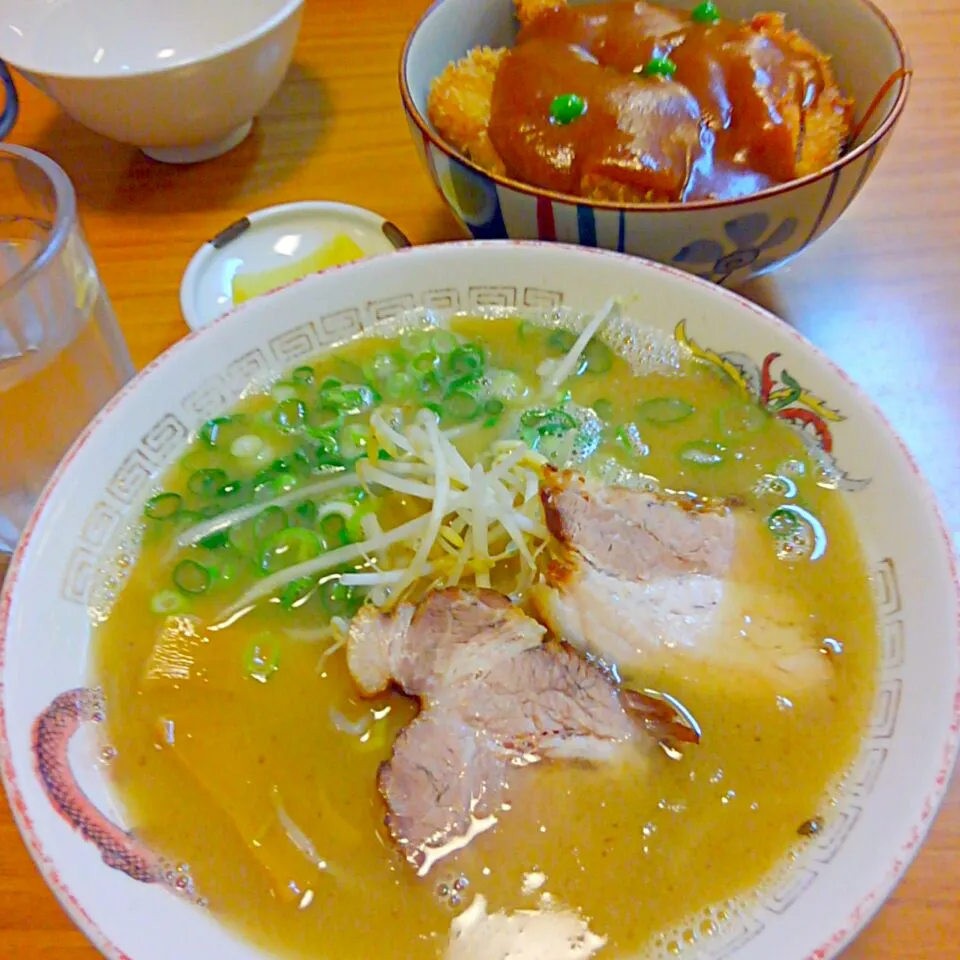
245,749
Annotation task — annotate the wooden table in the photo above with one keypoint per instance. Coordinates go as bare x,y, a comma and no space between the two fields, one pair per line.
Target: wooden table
880,293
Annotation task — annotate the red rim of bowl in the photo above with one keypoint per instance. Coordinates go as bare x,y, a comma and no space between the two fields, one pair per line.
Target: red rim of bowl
871,902
570,200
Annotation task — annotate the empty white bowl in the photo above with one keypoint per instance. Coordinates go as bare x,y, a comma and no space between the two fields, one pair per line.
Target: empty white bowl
181,79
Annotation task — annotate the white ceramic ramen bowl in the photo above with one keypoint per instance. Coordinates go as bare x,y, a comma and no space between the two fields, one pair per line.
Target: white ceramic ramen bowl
180,79
723,240
131,911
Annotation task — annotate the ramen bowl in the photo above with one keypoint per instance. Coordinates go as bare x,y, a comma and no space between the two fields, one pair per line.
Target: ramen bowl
182,81
725,240
64,575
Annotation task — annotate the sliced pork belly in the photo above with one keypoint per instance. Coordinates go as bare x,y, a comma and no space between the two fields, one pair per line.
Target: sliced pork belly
646,581
451,637
442,785
495,696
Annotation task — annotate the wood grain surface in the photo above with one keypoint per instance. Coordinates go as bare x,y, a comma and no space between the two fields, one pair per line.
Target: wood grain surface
880,293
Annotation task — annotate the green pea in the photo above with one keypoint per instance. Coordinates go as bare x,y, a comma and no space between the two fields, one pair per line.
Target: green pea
705,13
659,67
566,108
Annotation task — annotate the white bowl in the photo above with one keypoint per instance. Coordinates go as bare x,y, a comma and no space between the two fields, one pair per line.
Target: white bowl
722,240
180,79
907,754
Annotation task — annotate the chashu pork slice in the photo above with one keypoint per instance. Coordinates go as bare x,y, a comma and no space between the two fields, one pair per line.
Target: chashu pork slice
495,697
648,583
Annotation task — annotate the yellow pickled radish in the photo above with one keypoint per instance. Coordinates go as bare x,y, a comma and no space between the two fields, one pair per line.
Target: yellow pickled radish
341,249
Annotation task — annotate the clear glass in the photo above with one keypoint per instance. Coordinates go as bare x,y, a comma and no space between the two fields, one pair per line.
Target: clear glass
62,355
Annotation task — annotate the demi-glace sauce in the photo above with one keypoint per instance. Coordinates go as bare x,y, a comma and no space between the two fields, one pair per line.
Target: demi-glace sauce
722,126
202,765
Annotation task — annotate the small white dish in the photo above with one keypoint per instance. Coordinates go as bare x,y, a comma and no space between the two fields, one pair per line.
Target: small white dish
270,238
130,910
182,80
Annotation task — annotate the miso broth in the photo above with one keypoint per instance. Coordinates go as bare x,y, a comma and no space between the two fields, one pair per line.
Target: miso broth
254,760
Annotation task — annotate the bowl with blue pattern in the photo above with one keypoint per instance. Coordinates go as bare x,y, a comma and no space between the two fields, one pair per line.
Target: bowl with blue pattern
727,241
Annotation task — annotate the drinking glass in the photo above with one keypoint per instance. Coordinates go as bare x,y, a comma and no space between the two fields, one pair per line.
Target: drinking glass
62,355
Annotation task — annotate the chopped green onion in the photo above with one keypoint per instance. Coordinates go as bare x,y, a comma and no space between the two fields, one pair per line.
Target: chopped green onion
355,495
232,489
561,341
303,456
399,385
524,328
268,485
263,658
291,414
663,411
284,390
205,483
303,375
265,479
192,578
326,418
349,371
426,361
599,356
506,385
443,341
285,482
216,540
287,547
382,365
550,421
740,418
468,358
492,410
354,443
415,341
354,523
783,523
271,521
166,602
471,384
461,406
305,512
327,444
338,600
333,528
210,431
603,409
297,592
628,436
703,453
163,506
247,446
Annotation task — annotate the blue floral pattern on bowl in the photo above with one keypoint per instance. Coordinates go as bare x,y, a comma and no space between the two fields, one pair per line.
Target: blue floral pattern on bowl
746,234
474,199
